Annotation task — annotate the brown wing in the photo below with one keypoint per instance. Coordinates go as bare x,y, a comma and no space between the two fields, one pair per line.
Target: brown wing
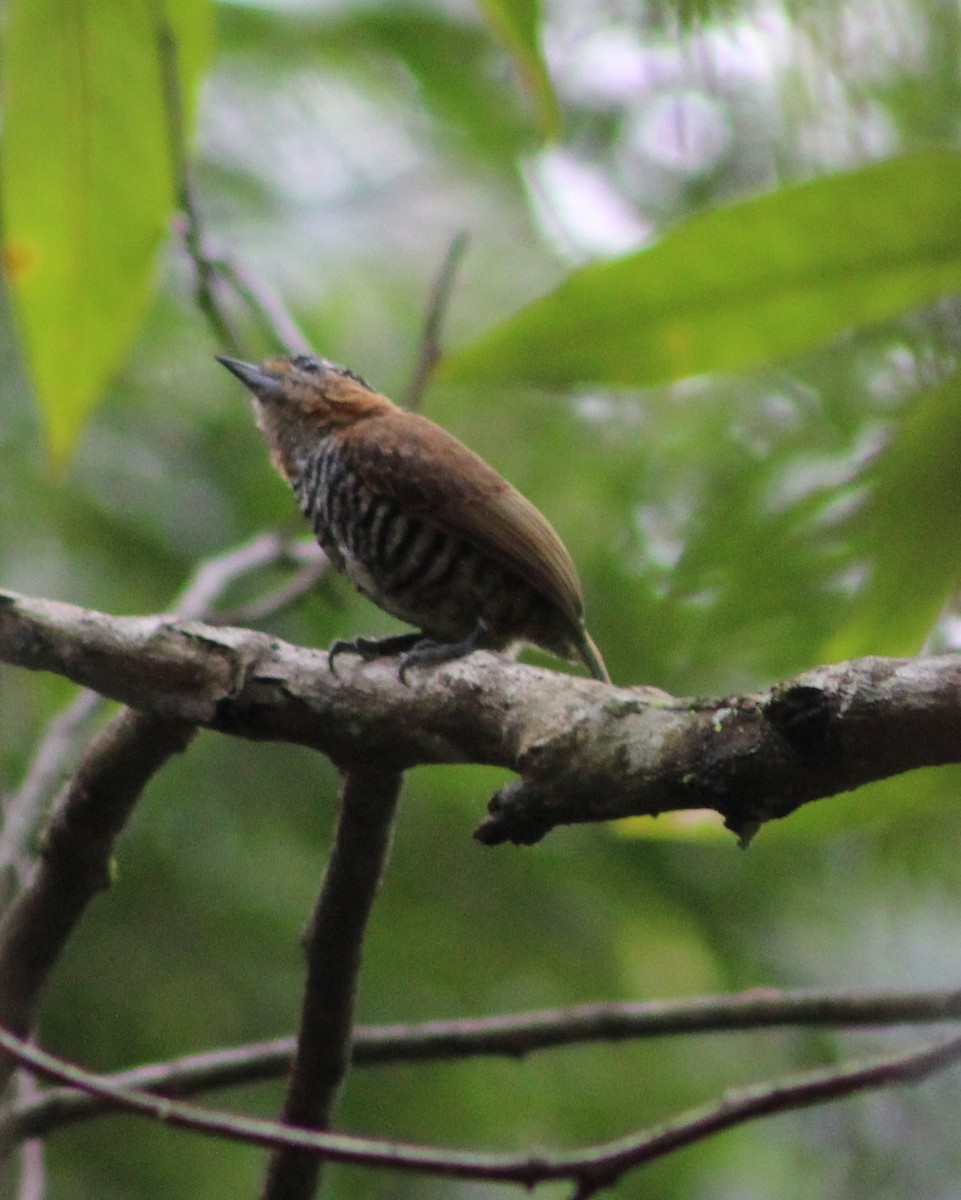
428,471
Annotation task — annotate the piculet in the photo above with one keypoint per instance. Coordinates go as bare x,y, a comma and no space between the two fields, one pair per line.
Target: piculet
418,522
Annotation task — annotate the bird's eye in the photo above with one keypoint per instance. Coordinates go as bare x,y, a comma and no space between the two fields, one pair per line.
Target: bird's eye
304,362
357,378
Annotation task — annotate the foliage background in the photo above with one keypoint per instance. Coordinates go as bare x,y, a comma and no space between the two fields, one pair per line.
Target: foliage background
730,527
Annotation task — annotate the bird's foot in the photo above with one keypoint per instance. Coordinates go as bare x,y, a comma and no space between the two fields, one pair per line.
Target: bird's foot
370,648
430,653
415,649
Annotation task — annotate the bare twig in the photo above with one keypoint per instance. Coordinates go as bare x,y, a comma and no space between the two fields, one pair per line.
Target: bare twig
274,317
591,1167
316,567
213,268
514,1036
94,804
206,282
334,941
429,348
200,598
211,578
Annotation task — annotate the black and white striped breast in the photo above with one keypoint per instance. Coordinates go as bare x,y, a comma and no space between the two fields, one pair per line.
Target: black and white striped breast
410,565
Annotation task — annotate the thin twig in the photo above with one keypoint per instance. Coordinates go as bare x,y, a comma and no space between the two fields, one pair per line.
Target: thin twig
206,280
212,577
210,267
429,347
201,596
592,1167
334,942
514,1036
275,318
93,807
283,597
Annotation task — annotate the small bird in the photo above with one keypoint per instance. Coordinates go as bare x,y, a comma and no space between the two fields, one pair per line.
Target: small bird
418,522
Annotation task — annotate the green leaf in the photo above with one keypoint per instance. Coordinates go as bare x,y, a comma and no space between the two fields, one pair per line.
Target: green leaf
87,185
449,59
517,23
700,12
742,286
909,532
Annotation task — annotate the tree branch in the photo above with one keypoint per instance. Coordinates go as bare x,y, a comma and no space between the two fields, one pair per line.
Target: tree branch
92,808
584,751
74,862
513,1036
334,941
275,319
591,1167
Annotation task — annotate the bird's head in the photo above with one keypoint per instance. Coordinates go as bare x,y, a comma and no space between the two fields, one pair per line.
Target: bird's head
299,400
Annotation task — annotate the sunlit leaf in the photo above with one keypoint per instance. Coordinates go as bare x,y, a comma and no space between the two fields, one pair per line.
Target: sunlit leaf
86,185
742,286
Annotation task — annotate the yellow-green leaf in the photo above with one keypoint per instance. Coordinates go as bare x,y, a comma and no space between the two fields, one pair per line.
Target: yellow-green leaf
87,186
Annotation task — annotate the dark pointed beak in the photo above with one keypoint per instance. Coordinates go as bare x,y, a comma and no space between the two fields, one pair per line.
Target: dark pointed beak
264,384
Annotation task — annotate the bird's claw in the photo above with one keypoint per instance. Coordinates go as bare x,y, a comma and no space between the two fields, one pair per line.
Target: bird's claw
371,648
430,653
415,649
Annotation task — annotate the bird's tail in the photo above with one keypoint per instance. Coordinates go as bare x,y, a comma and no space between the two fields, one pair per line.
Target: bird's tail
591,656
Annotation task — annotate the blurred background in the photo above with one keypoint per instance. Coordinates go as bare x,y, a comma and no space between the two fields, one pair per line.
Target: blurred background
731,527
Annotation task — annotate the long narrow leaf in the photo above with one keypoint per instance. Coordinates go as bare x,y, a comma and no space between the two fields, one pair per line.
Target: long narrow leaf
743,286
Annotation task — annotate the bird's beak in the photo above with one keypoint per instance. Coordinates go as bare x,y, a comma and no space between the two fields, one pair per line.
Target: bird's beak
264,384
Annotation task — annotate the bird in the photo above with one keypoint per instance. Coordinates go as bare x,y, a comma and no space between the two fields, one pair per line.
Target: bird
417,521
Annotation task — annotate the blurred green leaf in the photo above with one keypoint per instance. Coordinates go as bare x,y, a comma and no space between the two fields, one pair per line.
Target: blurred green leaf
449,60
742,286
86,184
909,532
518,24
692,12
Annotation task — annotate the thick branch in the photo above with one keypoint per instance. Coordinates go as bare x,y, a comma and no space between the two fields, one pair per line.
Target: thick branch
585,751
361,847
